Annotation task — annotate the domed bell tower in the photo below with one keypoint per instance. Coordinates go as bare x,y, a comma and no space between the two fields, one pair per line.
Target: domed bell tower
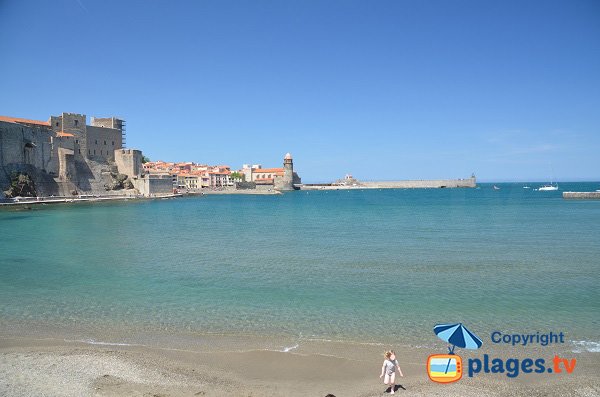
288,173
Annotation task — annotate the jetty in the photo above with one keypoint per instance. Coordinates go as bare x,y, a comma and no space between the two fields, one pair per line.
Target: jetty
581,195
351,183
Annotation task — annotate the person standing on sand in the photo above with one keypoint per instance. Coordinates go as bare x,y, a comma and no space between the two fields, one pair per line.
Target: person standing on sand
390,364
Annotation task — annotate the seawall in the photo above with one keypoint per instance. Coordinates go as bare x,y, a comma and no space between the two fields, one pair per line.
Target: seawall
408,184
581,195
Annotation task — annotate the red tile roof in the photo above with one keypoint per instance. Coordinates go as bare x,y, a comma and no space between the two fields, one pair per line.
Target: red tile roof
24,121
269,170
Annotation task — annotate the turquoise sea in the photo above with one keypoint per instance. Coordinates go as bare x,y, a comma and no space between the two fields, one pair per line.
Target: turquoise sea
360,265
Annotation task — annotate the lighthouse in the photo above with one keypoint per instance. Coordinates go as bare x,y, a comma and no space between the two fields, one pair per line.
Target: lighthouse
287,182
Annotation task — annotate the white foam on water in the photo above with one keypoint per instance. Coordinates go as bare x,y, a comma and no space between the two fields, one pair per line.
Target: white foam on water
290,348
585,346
95,342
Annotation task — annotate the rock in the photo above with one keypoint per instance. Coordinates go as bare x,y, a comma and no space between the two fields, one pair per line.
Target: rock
22,185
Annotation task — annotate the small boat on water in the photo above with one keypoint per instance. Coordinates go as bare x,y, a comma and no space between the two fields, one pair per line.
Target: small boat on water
526,187
496,187
548,188
551,187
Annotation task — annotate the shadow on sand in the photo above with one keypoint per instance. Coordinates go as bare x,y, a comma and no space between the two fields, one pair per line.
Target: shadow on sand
396,388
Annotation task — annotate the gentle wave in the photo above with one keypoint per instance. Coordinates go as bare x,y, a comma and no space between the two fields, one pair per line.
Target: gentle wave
95,342
290,348
586,346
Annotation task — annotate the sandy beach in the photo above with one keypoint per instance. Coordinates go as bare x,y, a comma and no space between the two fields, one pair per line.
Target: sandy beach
51,367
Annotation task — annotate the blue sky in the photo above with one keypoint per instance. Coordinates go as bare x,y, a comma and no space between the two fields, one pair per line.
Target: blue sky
397,89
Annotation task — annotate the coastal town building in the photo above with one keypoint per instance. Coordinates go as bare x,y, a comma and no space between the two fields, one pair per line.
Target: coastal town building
282,179
189,181
191,176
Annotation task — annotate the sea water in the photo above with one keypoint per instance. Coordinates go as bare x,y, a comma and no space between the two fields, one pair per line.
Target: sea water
381,266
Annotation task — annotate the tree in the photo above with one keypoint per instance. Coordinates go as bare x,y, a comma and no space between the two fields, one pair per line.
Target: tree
145,159
237,175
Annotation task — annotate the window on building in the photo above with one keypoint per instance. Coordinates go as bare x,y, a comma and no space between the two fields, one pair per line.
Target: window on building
79,151
96,141
89,151
76,123
57,123
105,142
113,143
76,140
94,151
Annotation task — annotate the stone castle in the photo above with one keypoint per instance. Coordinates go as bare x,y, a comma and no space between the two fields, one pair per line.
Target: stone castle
65,156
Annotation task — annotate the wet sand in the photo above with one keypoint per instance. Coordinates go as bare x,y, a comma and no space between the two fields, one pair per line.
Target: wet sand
51,367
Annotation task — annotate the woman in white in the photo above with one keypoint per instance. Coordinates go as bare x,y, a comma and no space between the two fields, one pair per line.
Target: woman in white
390,364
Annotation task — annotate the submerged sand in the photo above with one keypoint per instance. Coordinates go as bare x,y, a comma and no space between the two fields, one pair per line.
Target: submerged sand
50,367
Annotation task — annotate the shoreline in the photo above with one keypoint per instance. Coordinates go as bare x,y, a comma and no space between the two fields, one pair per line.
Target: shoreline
25,201
256,192
34,366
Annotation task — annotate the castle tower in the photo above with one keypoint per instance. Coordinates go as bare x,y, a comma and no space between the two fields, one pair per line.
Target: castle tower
287,182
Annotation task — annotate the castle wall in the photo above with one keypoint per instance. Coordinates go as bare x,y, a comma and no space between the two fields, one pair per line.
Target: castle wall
66,164
56,123
73,123
129,162
68,157
28,149
152,186
101,142
25,145
97,141
106,122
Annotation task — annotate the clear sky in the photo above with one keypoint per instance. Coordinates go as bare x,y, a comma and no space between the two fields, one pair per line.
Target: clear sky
396,89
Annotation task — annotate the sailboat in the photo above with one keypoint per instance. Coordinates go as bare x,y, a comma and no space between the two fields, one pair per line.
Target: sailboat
550,187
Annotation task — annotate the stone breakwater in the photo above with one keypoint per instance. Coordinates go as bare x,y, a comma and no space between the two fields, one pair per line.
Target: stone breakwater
581,195
408,184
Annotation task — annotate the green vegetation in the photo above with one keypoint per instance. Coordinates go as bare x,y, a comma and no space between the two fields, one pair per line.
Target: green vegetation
238,175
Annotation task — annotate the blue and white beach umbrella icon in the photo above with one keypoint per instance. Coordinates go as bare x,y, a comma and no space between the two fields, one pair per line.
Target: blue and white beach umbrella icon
457,335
